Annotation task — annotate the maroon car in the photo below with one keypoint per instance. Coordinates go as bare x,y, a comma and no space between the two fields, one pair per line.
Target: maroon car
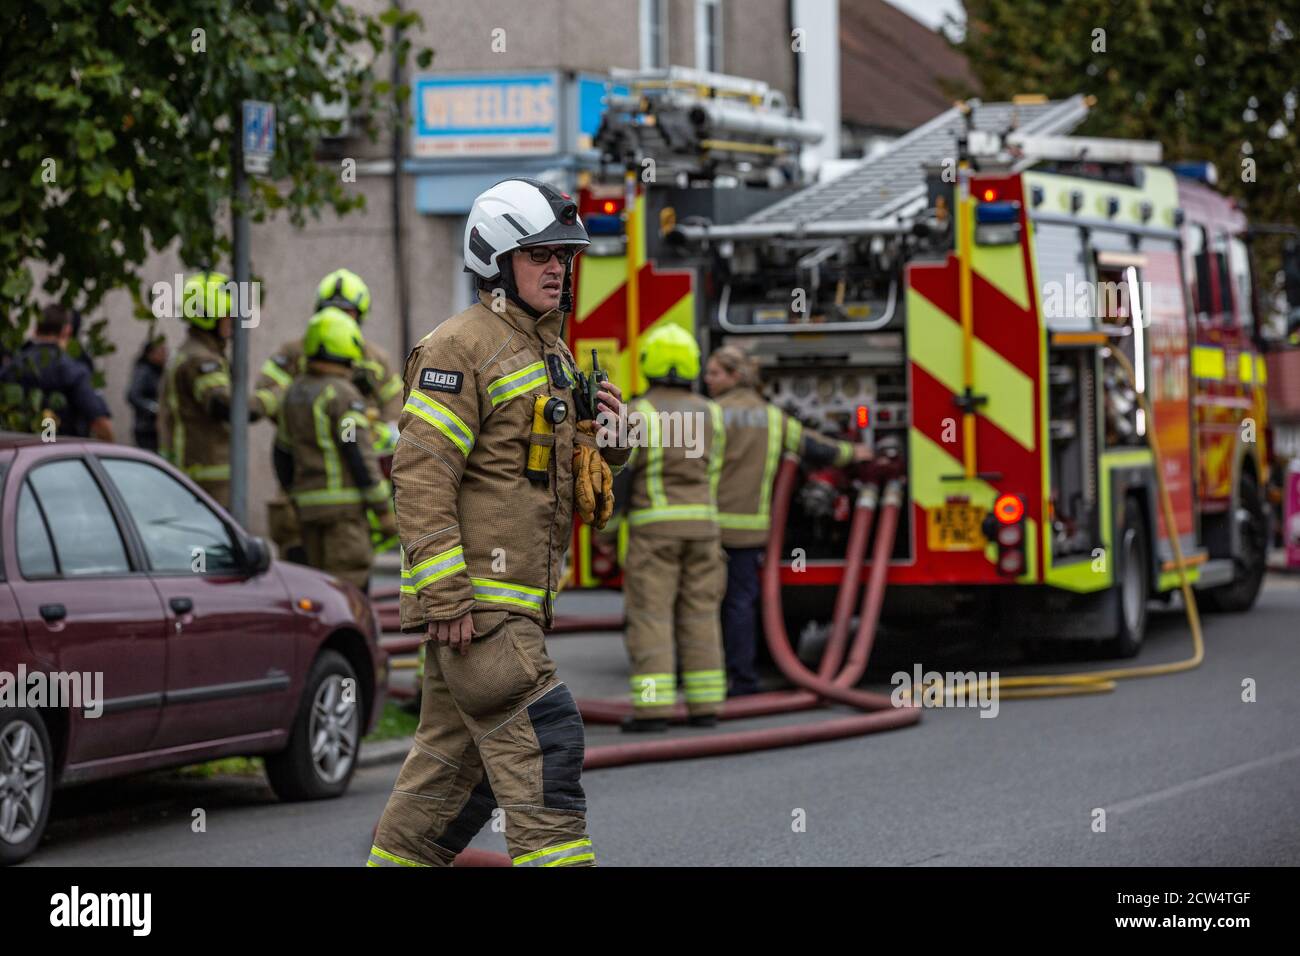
118,570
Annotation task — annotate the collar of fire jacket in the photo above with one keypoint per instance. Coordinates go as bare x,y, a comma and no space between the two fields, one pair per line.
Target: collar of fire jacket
546,327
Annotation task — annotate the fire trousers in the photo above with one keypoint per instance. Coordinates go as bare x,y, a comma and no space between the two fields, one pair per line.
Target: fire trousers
340,547
672,590
497,730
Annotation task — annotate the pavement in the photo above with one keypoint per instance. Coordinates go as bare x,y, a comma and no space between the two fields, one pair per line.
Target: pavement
1185,770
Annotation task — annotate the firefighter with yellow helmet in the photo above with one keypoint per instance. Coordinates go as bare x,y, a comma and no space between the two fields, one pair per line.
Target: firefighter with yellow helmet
324,453
194,396
674,571
486,482
374,376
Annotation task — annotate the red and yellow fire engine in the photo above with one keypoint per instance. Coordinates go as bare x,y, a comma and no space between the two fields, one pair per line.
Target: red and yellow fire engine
955,302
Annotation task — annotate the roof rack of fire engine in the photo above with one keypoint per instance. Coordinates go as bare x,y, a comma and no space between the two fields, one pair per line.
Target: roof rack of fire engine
702,125
877,196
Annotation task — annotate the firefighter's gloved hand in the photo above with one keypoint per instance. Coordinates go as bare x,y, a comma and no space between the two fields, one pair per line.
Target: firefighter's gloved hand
593,483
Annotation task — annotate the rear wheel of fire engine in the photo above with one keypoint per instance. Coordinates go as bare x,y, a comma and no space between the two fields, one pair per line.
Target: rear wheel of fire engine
326,734
1251,561
26,783
1134,567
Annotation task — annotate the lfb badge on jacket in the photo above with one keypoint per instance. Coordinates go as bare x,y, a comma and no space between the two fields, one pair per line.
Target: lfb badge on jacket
440,381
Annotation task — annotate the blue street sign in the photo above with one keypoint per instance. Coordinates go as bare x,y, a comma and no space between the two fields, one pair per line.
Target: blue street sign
259,135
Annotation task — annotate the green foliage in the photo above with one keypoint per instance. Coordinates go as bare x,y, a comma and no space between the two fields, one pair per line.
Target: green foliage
116,136
1216,81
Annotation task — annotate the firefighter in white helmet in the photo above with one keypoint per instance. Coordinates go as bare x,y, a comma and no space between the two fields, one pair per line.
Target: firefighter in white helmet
484,521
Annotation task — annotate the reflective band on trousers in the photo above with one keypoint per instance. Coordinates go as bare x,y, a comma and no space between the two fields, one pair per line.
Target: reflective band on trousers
516,383
433,569
504,592
566,854
705,686
760,521
442,418
380,857
653,690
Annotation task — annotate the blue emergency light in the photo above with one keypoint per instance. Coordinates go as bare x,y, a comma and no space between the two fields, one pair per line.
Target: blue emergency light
599,224
997,223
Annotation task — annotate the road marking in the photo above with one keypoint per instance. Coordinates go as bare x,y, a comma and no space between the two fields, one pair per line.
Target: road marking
1208,780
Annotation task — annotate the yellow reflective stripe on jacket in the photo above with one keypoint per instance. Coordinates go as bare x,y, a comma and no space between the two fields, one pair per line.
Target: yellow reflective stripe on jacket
271,369
270,401
717,450
327,496
433,569
205,383
391,388
845,454
673,513
1208,362
385,440
209,472
760,521
654,474
325,441
442,418
175,451
517,383
506,592
653,690
380,857
378,493
793,436
565,854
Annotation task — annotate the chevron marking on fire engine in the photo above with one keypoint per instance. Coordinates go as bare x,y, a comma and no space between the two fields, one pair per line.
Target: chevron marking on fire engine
1004,268
929,462
599,277
935,345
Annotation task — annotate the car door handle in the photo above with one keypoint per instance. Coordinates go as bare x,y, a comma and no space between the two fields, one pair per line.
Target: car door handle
181,605
53,612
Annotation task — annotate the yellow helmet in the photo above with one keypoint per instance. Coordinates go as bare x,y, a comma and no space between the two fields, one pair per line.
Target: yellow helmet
345,290
668,351
205,298
334,336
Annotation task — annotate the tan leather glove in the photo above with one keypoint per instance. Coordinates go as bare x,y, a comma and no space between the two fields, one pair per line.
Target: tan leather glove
593,483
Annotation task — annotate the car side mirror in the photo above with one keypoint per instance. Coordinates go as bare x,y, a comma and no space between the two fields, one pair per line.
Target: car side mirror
257,555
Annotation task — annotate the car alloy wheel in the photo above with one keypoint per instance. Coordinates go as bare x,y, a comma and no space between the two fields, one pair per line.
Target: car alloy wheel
22,781
333,730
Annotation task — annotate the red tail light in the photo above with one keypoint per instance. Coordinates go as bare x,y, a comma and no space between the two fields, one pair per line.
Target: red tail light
1009,508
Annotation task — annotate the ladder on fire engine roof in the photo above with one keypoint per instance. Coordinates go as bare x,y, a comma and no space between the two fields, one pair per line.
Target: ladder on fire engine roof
888,182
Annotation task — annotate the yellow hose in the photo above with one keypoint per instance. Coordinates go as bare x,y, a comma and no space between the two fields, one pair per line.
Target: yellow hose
1099,682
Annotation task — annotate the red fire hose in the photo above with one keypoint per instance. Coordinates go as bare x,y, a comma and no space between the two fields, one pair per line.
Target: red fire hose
881,713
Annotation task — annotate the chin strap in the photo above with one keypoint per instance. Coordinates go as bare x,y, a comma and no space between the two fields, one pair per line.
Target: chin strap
566,292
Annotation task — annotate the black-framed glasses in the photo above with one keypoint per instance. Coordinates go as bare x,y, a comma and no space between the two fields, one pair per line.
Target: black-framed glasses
542,254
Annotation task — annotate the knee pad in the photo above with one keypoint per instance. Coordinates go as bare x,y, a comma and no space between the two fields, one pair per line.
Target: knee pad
558,727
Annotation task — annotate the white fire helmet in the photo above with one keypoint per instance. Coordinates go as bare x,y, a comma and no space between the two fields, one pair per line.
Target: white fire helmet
516,213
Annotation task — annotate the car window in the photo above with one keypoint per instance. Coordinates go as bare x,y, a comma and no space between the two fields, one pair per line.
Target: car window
86,538
35,553
180,532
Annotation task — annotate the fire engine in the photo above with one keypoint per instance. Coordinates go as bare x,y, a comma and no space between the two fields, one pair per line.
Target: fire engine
954,301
